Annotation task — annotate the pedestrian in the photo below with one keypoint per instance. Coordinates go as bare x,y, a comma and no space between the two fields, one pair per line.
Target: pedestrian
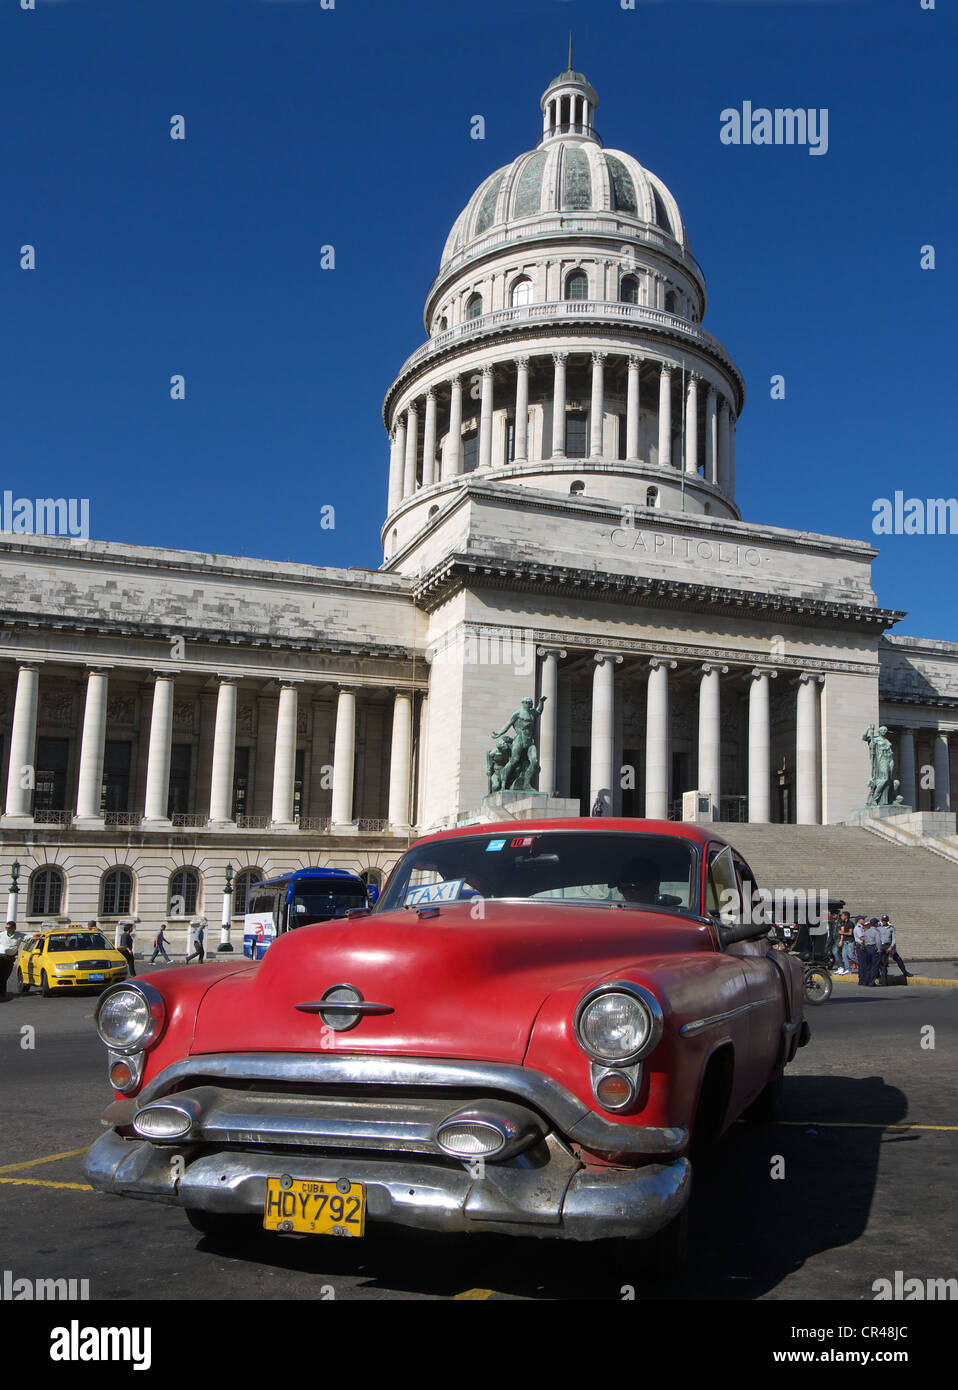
888,950
844,944
159,945
199,936
10,944
126,947
858,944
868,971
598,808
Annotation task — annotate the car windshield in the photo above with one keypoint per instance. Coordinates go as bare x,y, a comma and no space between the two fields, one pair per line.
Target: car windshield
608,868
78,941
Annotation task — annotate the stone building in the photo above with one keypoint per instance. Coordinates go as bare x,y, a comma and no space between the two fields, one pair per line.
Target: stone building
561,520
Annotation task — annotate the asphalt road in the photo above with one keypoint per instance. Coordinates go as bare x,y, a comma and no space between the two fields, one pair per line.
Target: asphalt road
861,1196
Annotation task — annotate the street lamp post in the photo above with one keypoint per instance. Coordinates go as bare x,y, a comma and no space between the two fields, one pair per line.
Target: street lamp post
12,892
225,943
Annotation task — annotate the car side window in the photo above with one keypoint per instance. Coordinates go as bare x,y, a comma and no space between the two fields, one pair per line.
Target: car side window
721,880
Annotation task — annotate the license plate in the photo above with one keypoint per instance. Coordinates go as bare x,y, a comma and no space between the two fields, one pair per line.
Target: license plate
315,1208
96,977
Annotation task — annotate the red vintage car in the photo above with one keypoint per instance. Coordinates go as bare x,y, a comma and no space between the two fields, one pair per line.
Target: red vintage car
523,1036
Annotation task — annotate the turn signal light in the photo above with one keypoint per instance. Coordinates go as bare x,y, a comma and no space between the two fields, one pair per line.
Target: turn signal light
121,1075
614,1090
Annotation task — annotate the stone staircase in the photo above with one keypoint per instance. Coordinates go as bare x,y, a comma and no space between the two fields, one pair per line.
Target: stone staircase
918,890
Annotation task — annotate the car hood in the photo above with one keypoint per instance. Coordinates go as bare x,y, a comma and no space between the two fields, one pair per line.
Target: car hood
457,986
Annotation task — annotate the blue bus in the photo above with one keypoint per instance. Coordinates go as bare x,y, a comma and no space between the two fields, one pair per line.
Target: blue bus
297,899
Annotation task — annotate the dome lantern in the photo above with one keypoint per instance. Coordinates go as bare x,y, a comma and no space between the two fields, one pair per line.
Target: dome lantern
568,107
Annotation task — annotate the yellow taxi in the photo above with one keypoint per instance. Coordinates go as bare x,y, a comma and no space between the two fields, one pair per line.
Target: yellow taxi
68,958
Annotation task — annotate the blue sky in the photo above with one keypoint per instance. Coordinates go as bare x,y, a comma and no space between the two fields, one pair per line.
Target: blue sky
307,126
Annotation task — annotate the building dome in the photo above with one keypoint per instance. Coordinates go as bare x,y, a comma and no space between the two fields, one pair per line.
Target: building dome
570,173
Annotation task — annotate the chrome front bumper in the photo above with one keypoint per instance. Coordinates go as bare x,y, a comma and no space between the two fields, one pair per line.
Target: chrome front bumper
560,1197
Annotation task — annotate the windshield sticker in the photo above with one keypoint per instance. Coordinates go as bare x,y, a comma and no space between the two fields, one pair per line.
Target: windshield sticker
446,892
522,842
495,844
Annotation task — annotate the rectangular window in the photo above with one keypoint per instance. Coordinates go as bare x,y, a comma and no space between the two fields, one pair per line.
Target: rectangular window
575,435
470,453
623,438
51,775
178,801
116,775
241,782
510,440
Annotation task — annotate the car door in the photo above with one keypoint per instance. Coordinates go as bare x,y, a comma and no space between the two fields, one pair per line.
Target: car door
35,958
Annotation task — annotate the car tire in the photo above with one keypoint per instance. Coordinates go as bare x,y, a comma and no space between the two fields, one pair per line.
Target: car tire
222,1225
767,1106
45,989
817,986
22,986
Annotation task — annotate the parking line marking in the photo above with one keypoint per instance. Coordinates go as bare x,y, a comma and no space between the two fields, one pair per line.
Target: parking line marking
34,1162
38,1182
863,1124
475,1293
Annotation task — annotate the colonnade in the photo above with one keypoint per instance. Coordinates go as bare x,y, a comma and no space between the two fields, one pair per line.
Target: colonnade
603,771
20,782
907,771
412,466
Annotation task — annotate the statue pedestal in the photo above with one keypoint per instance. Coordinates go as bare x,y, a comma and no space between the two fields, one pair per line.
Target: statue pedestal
522,805
861,814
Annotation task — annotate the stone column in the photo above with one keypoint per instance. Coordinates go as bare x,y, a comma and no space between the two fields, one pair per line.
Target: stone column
395,472
941,800
603,729
485,419
558,406
521,453
731,455
665,413
429,440
412,447
692,425
632,410
759,746
711,436
344,752
284,758
710,732
549,722
400,433
906,770
224,755
807,751
92,742
157,799
23,745
400,762
724,440
452,453
657,763
597,408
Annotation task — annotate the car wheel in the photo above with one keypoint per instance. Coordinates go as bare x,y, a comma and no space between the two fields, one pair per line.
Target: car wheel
22,986
222,1225
818,986
766,1108
45,989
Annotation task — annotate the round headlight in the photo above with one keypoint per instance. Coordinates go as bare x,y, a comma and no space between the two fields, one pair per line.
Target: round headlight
618,1023
129,1017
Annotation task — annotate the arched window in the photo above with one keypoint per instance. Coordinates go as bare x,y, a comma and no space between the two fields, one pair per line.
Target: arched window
577,488
442,324
522,292
670,302
629,290
372,876
433,511
184,893
473,306
116,893
242,883
652,497
46,892
577,285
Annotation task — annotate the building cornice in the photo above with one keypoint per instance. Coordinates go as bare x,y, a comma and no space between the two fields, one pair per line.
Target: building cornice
474,570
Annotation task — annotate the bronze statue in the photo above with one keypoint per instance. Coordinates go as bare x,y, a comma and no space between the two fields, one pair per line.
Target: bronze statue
882,785
496,759
519,771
